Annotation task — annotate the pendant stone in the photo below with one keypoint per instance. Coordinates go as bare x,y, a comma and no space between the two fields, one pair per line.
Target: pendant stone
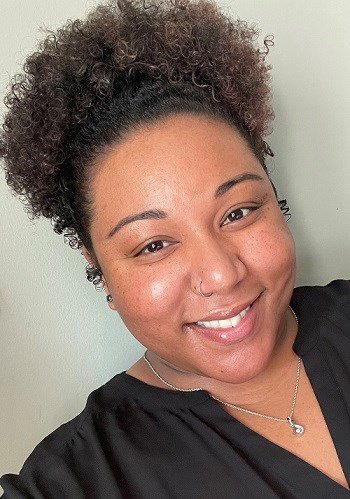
297,429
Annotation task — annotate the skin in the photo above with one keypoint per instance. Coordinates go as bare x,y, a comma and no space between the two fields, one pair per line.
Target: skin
176,165
235,247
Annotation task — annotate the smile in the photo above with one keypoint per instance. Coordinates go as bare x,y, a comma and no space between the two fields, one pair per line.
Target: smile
225,323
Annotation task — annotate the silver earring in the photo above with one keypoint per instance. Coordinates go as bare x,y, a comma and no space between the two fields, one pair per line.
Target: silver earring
109,298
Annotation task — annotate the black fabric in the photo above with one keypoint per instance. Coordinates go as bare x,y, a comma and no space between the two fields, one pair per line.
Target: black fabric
137,441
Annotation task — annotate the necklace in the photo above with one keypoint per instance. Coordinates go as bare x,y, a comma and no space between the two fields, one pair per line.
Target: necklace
297,429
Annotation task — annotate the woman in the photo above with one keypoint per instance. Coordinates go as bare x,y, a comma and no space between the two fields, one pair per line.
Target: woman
140,133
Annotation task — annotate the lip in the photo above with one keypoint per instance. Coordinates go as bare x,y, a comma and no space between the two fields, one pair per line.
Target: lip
231,335
222,314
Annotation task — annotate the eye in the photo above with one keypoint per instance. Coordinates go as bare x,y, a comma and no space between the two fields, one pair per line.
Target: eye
153,247
235,215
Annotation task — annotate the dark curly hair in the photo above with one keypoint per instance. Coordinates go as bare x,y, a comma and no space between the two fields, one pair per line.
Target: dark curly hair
128,63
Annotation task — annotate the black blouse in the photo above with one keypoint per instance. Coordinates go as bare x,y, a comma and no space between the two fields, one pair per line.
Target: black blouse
137,441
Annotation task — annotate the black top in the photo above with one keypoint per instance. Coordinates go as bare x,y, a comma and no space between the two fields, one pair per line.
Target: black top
137,441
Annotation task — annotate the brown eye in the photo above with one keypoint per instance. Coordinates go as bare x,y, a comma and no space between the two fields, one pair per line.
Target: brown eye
154,247
236,215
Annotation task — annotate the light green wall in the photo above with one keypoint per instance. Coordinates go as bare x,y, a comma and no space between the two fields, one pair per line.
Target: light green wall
59,340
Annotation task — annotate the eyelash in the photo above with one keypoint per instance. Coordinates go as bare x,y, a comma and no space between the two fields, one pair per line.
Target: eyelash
143,251
248,209
164,244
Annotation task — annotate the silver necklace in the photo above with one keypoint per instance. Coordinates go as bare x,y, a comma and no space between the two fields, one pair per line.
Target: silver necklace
297,429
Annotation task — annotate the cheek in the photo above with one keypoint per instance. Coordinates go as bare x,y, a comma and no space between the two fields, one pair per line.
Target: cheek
272,251
146,294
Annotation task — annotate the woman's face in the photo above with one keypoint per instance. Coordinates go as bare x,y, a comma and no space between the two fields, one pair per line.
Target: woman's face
189,234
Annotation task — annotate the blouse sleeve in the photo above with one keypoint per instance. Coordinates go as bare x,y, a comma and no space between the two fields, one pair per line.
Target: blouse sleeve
65,465
44,477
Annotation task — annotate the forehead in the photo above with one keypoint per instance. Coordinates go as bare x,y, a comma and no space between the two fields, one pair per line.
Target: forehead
182,155
175,145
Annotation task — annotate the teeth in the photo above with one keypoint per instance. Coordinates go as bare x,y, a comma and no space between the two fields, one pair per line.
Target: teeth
225,323
242,314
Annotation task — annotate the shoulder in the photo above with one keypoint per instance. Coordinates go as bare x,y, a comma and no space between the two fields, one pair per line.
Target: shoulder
58,465
326,300
105,449
324,315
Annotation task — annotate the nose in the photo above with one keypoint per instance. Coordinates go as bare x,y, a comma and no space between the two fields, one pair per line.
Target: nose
216,267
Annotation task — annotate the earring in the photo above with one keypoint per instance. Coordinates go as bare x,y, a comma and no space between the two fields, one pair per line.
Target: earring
109,298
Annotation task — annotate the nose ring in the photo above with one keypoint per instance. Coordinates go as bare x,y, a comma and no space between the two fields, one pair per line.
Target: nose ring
206,295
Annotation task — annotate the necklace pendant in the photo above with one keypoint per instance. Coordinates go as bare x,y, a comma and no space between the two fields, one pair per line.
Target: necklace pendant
297,429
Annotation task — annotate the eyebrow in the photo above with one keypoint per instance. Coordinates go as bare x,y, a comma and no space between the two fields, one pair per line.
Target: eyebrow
143,215
243,177
160,214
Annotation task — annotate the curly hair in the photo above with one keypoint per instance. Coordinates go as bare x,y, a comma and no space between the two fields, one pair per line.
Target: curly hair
128,63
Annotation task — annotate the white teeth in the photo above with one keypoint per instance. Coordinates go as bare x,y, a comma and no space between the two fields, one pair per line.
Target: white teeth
225,323
235,320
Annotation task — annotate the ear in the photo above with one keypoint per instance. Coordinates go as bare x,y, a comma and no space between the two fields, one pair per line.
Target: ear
86,255
90,261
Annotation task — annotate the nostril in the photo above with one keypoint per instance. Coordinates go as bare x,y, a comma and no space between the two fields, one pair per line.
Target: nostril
221,276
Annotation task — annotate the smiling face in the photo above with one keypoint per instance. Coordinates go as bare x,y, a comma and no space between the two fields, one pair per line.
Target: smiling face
188,233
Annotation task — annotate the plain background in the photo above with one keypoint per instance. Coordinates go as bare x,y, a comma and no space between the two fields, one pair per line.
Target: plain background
59,340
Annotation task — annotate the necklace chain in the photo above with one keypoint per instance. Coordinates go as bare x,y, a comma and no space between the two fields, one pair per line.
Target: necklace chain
297,429
273,418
